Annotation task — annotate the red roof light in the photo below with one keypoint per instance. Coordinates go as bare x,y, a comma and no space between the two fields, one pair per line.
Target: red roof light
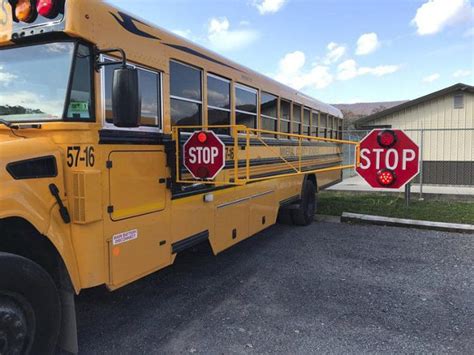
47,8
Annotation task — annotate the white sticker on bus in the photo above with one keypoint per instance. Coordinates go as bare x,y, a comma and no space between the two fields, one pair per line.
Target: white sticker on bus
125,237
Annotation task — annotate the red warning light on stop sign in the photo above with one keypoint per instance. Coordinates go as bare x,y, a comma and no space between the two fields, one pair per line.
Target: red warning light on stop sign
204,155
388,159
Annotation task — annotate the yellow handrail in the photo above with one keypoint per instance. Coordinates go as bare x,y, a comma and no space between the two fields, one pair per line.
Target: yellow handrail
247,134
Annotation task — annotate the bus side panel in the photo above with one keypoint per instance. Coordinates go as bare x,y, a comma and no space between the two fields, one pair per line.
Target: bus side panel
231,225
264,207
191,216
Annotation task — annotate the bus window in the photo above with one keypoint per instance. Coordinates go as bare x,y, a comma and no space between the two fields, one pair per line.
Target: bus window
306,122
245,106
186,95
314,123
80,102
323,124
218,103
296,119
285,121
150,89
268,111
329,126
334,127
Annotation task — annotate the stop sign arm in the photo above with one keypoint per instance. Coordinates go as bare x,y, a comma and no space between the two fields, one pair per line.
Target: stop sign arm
192,157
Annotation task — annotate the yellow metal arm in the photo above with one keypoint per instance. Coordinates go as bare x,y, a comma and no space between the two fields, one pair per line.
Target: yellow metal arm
243,137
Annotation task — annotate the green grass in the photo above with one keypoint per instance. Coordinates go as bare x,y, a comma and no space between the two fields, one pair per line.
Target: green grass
334,203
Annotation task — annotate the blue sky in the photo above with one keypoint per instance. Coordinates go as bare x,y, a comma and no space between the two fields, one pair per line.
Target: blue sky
339,51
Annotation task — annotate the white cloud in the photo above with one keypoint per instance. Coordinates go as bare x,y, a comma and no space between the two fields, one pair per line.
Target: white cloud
335,53
349,69
268,6
462,73
367,43
434,15
221,24
431,78
6,78
292,62
291,72
222,38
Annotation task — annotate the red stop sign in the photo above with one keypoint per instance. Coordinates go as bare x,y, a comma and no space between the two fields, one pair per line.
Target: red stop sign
388,159
204,155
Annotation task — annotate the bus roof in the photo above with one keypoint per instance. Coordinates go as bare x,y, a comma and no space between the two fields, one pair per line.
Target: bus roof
104,25
267,81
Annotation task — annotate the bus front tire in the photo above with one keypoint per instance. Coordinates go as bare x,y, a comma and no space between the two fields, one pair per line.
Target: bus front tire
30,313
304,214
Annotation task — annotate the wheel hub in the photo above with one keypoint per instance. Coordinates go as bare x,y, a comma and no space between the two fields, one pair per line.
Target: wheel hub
13,327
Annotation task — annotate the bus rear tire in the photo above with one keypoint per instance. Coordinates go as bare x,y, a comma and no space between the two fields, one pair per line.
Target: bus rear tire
304,214
30,313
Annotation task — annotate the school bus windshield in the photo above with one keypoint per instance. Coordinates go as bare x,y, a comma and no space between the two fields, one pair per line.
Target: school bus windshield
35,82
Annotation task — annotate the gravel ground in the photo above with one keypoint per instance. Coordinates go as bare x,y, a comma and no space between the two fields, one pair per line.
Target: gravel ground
326,288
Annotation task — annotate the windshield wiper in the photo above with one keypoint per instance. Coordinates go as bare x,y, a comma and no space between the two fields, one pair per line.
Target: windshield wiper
6,123
13,126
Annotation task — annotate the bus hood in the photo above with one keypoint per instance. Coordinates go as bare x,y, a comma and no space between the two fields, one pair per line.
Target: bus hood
16,149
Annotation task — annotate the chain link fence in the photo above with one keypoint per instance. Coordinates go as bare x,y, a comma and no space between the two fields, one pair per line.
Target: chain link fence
446,155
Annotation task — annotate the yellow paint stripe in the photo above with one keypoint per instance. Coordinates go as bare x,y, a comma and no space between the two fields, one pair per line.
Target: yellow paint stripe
143,209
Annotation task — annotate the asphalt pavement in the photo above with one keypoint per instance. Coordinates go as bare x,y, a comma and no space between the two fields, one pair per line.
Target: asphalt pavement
326,288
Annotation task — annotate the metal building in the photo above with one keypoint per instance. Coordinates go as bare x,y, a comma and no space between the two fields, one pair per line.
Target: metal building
442,123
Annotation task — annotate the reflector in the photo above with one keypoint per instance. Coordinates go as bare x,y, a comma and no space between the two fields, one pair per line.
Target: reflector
25,11
47,8
386,177
387,138
202,137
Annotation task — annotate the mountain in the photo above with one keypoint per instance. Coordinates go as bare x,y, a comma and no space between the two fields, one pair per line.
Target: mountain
353,112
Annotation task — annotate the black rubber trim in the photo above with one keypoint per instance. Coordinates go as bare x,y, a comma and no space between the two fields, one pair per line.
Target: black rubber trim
269,161
190,242
197,191
287,171
205,189
36,168
112,136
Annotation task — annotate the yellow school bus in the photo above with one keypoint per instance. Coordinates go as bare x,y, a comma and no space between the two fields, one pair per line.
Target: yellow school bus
95,105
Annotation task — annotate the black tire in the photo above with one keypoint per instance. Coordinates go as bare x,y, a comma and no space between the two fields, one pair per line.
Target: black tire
284,216
30,313
304,215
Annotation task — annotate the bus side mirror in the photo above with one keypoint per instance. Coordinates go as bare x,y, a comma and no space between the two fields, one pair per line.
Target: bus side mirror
126,100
